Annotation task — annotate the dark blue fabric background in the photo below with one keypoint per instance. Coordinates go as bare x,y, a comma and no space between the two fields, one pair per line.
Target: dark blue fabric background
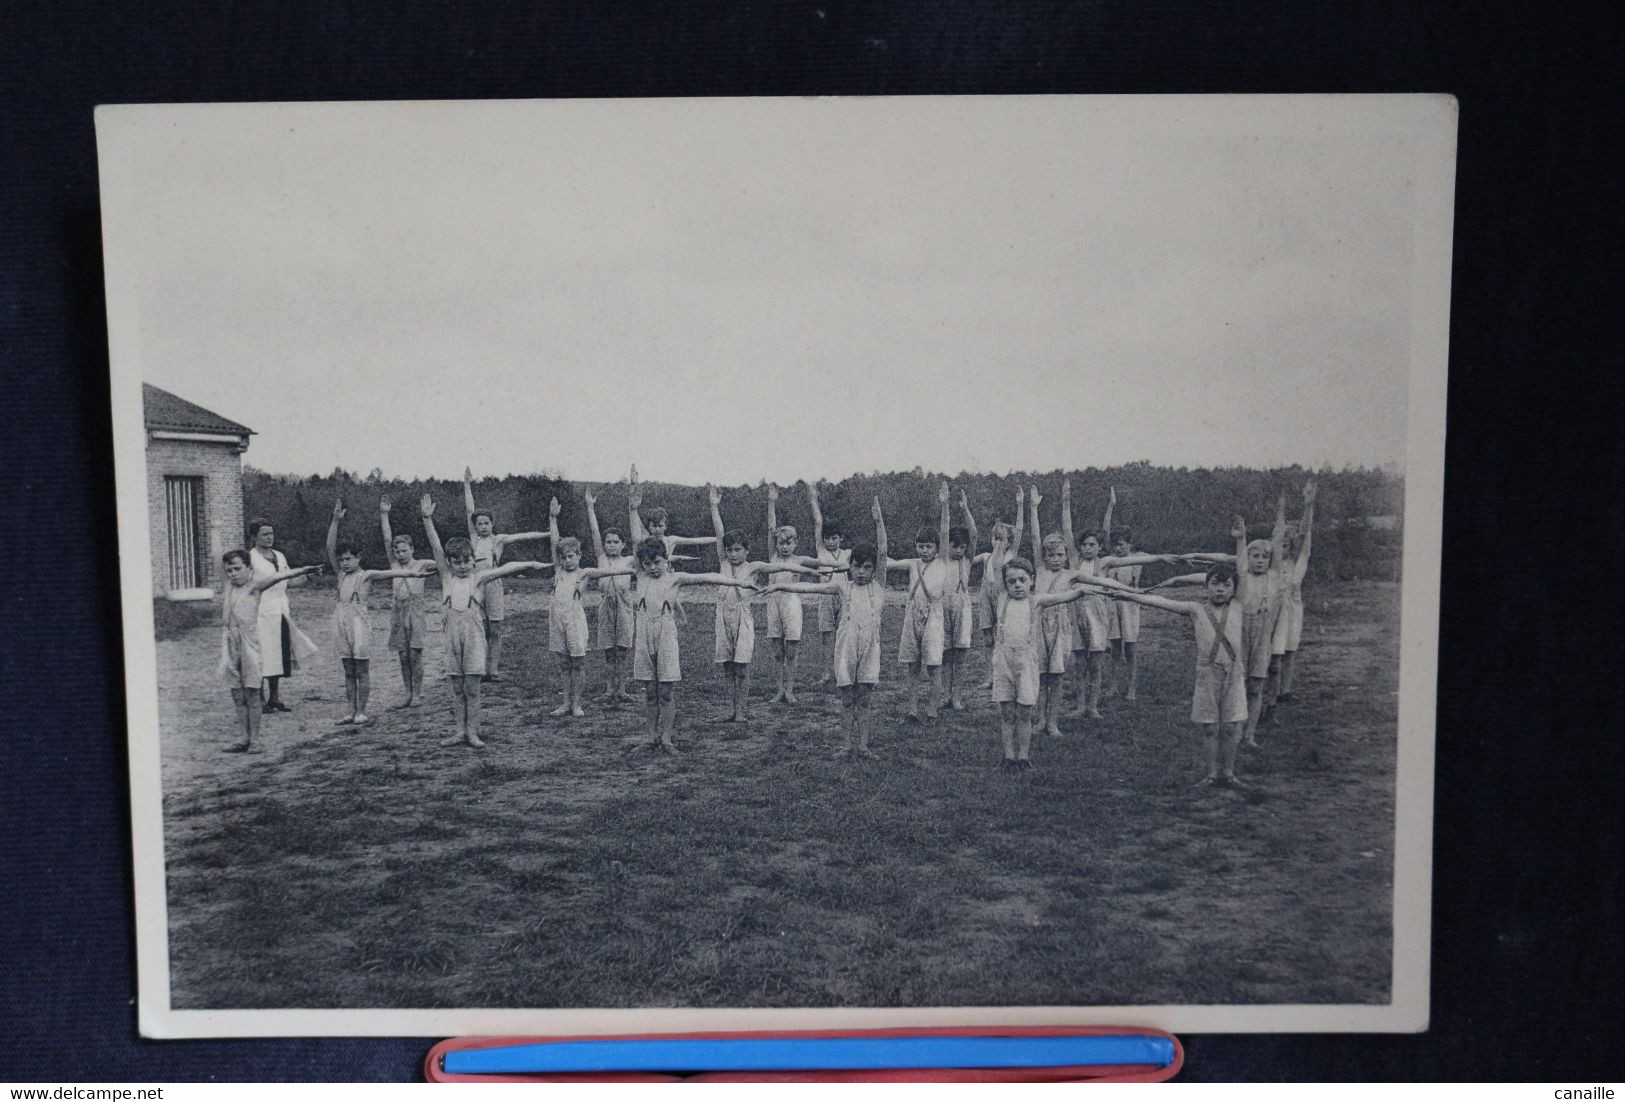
1527,884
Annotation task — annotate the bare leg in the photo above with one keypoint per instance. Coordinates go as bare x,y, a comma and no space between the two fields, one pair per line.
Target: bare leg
349,689
1210,743
934,698
578,674
849,718
246,703
860,718
405,656
1024,732
1228,735
623,666
564,686
1289,663
493,650
950,661
1272,688
914,672
1094,670
1133,668
668,715
363,688
1007,729
1049,700
1255,705
987,638
459,711
471,711
827,640
792,655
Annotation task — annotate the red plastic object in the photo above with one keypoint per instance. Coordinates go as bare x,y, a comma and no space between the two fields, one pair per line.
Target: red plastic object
1117,1073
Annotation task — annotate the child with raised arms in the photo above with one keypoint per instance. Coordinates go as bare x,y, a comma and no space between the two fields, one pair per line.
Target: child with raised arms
352,628
1289,624
1018,649
857,636
488,550
241,657
566,615
408,610
652,522
1006,545
615,610
784,614
922,642
736,624
462,597
1219,697
1093,615
1260,567
655,657
1052,573
956,604
1123,617
832,559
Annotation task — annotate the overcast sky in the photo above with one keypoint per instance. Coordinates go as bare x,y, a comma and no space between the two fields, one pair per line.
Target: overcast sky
733,290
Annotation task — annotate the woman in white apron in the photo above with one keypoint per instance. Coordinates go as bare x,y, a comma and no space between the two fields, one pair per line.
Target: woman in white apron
282,645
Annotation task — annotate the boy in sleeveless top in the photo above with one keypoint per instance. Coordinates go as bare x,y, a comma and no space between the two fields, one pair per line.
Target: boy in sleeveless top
462,592
736,623
567,615
1219,696
857,636
615,610
652,522
351,627
832,559
930,580
408,610
1123,618
956,606
240,648
488,550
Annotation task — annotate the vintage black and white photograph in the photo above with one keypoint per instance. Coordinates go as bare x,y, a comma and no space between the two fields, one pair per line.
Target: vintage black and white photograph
707,563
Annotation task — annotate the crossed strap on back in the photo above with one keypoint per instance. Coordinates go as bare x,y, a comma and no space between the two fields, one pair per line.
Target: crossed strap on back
1220,639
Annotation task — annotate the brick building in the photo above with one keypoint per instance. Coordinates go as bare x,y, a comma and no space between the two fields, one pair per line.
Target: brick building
194,492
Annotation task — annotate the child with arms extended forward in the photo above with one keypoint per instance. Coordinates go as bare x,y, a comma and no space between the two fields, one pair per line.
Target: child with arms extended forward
240,647
566,615
462,597
736,624
857,635
352,628
488,550
615,610
1219,698
1094,614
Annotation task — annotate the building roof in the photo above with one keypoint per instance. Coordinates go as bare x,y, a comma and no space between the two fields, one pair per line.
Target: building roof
164,410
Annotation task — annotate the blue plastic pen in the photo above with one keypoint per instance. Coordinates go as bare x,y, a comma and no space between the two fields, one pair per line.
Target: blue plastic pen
811,1054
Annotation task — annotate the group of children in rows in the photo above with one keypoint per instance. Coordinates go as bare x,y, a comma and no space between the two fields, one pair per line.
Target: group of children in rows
1064,609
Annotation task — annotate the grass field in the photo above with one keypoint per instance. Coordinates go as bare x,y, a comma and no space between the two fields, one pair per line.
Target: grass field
561,866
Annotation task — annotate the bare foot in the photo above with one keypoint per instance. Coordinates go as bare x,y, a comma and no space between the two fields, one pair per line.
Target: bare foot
561,710
1094,713
868,753
668,746
957,704
577,712
345,722
475,741
1053,731
1234,781
1210,779
240,748
454,740
789,697
778,697
1130,695
631,698
1250,742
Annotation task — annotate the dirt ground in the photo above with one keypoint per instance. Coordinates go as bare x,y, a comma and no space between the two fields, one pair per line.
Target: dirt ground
563,865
